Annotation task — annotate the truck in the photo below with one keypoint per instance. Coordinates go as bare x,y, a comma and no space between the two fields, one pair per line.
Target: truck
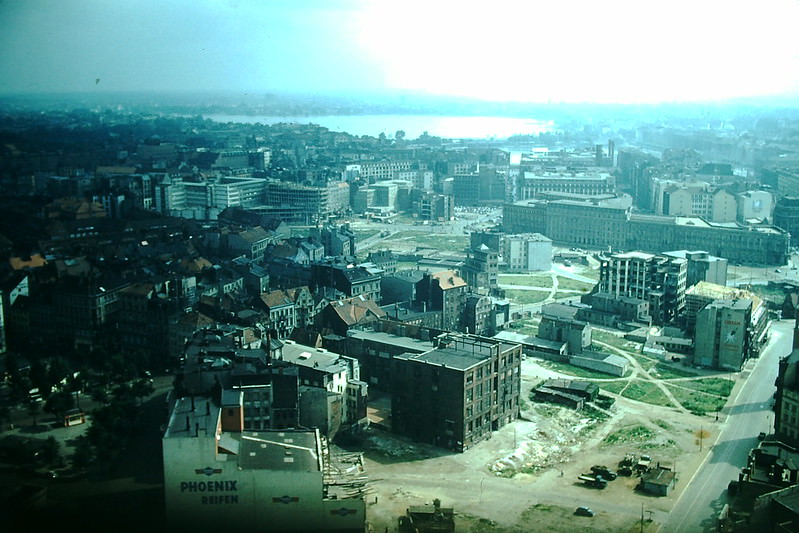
604,471
643,464
593,480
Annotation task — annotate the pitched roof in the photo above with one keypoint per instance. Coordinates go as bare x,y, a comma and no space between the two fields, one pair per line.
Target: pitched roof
355,310
276,298
448,279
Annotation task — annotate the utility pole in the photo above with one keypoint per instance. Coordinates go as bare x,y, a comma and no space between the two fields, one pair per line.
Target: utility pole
642,517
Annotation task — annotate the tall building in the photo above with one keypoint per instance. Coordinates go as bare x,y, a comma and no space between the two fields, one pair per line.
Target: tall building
722,336
458,393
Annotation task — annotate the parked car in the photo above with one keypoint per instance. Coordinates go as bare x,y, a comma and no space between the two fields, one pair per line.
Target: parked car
584,511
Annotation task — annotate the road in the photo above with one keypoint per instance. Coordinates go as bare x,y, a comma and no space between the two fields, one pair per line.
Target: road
748,415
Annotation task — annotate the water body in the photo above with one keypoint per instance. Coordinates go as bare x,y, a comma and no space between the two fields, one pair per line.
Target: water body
450,127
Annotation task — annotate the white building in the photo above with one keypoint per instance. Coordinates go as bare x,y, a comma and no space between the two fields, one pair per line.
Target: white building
220,478
527,252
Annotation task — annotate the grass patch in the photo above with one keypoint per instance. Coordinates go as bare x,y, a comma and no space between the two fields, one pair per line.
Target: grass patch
646,392
614,387
669,371
718,386
526,297
698,403
418,239
662,424
528,280
568,284
629,435
571,370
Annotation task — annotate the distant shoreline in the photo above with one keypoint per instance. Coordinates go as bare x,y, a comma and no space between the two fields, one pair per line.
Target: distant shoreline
414,125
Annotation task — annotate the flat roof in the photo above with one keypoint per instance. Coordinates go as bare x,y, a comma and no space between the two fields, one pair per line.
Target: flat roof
307,356
453,358
279,450
407,343
192,416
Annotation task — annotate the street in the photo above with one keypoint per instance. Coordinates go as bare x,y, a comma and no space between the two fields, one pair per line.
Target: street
749,414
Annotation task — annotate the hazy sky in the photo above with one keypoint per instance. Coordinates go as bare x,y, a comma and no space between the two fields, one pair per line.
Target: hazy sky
523,50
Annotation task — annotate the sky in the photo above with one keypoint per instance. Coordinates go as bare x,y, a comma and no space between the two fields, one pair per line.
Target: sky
604,51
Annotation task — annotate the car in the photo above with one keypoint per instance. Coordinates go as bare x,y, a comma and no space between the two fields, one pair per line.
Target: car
584,511
778,271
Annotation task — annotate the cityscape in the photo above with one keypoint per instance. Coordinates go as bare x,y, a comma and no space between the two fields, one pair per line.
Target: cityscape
398,302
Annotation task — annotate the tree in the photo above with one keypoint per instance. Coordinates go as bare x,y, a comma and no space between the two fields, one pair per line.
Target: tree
59,403
400,135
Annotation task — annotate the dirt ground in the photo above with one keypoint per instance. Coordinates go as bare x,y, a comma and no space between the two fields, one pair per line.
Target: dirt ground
524,478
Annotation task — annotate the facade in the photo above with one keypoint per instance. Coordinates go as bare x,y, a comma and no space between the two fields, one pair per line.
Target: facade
444,291
702,267
722,338
334,373
610,225
308,203
458,393
786,216
786,400
527,252
704,293
218,476
756,206
281,312
534,183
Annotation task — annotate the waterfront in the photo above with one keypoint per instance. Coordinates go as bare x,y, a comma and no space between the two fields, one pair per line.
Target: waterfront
446,126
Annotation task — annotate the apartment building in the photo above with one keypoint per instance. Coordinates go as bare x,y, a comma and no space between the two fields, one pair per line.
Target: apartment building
458,393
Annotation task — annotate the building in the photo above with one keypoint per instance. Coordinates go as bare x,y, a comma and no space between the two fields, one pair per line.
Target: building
658,280
543,180
527,252
481,269
722,336
702,267
458,393
444,291
281,312
559,323
703,293
610,224
344,404
218,475
786,216
786,400
375,349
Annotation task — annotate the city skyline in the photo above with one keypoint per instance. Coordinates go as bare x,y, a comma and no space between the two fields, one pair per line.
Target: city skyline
616,51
